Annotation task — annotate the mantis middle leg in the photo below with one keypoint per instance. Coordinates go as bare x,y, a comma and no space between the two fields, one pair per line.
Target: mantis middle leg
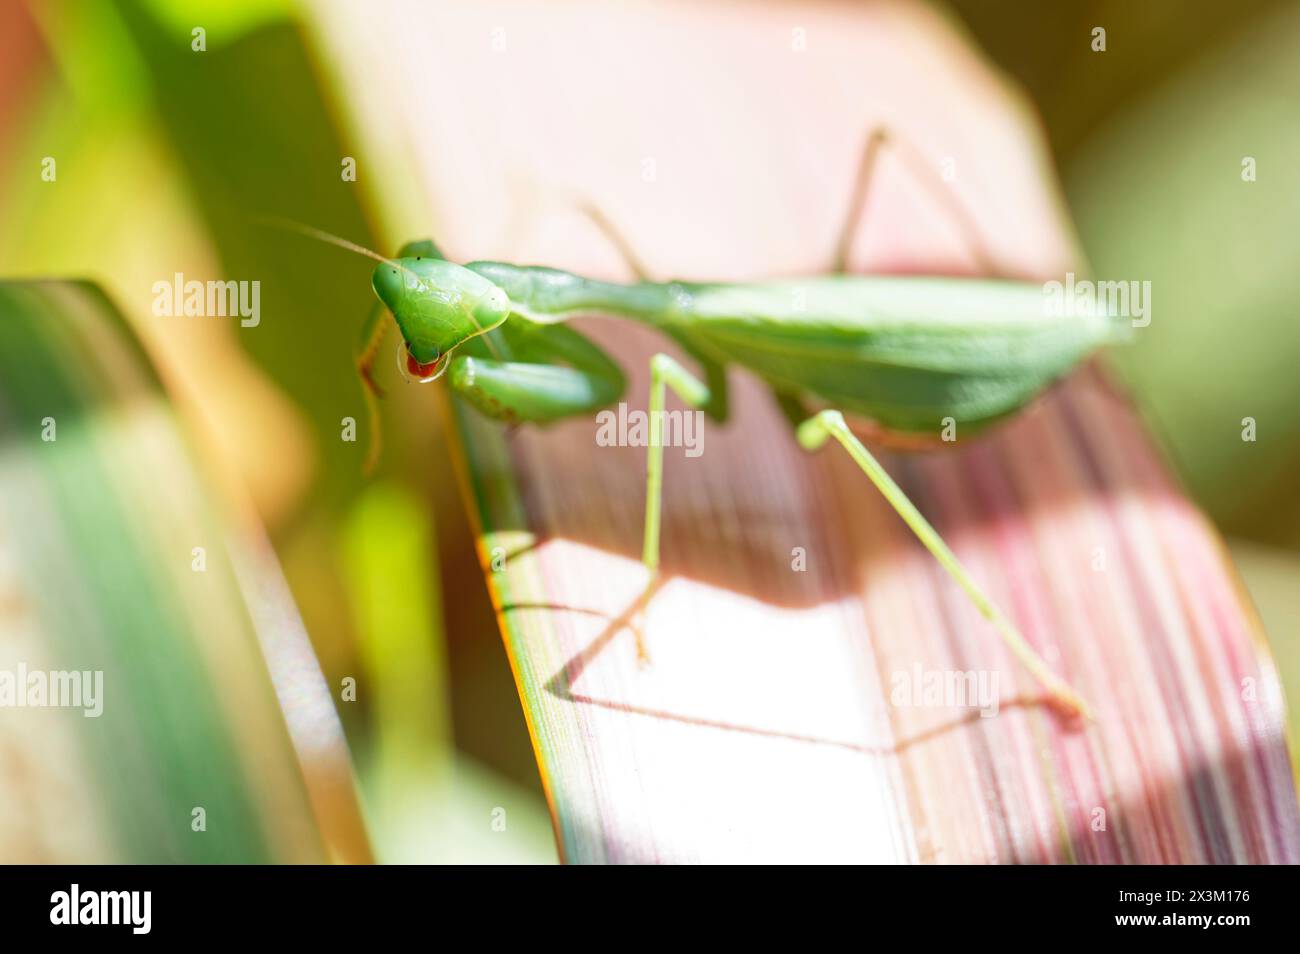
812,434
926,175
715,371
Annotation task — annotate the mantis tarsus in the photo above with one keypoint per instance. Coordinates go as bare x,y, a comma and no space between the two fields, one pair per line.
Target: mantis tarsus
905,352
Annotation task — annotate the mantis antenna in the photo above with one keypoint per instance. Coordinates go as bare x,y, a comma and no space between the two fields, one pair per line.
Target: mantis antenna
289,225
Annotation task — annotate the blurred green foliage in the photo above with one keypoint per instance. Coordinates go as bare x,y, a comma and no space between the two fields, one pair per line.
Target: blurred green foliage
1164,195
172,160
96,487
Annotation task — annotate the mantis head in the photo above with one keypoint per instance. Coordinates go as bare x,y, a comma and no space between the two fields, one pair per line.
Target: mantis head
438,305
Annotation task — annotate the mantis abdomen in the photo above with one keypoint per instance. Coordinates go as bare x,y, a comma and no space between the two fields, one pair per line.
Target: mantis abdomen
908,352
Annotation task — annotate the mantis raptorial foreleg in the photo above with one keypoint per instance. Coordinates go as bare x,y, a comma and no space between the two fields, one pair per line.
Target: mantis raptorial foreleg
924,173
813,433
534,373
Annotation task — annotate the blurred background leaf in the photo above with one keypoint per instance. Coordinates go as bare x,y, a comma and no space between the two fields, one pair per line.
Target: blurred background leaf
1159,194
114,561
1151,136
164,169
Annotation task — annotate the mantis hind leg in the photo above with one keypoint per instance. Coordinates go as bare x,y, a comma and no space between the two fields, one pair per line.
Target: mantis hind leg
815,431
927,176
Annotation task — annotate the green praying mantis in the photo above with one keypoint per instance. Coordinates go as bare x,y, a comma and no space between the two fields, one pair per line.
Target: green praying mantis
904,352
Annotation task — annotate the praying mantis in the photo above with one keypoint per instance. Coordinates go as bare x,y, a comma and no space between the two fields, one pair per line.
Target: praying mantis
904,352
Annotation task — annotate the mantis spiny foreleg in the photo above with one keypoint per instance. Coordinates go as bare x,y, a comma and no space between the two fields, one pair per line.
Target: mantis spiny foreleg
535,373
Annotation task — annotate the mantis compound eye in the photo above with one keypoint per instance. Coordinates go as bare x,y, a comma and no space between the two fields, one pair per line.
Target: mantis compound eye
438,305
389,284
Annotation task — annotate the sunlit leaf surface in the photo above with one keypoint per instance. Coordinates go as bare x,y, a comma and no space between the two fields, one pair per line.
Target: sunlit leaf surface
774,719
